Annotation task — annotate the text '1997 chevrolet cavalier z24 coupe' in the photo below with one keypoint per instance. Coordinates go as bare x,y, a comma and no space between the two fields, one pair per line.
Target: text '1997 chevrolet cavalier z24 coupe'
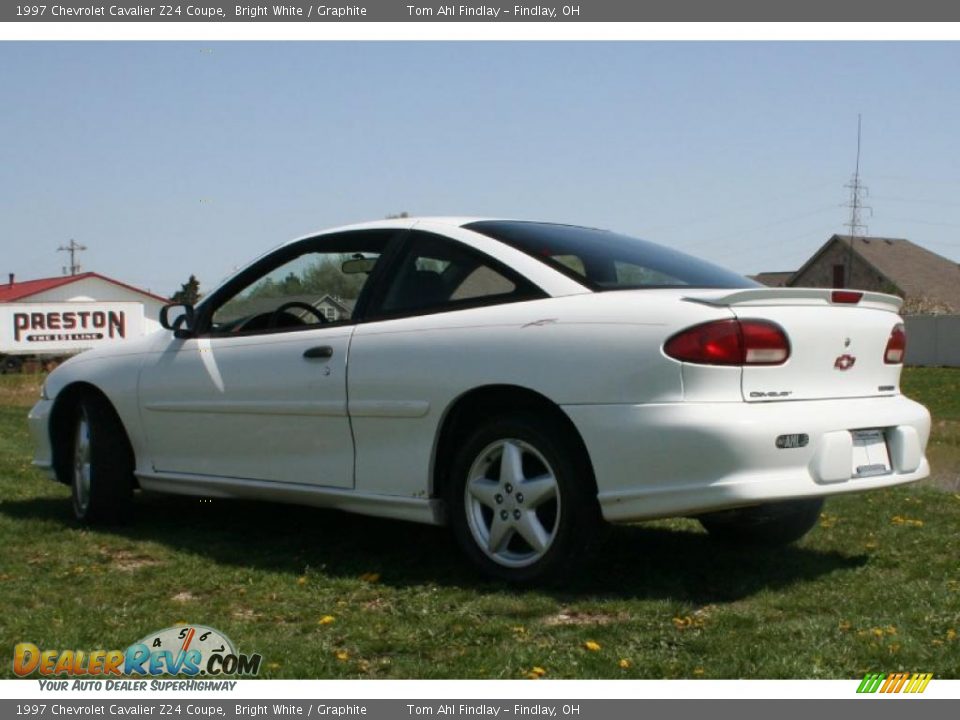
518,381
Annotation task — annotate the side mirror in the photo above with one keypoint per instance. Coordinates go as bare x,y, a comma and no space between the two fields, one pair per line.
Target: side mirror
183,318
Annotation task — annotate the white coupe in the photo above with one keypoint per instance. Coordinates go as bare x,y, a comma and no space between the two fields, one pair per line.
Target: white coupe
519,381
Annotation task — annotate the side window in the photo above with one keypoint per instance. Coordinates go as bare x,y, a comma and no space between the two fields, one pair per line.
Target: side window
436,274
299,291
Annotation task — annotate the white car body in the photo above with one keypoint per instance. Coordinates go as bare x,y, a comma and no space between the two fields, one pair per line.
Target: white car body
246,417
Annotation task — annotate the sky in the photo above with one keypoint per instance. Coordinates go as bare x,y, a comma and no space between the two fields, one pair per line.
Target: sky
174,158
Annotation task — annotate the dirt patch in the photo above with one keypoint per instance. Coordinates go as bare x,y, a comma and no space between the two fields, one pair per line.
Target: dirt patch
378,604
576,617
127,561
184,597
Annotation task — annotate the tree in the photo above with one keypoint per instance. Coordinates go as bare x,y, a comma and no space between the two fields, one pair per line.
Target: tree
189,292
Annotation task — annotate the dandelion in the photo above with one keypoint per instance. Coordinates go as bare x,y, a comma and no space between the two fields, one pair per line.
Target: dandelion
343,655
301,580
370,577
951,634
624,663
877,632
686,622
519,629
844,625
698,671
326,620
538,671
592,646
273,665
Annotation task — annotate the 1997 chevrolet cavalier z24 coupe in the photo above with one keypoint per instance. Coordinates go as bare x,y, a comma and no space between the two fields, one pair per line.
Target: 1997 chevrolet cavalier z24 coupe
518,381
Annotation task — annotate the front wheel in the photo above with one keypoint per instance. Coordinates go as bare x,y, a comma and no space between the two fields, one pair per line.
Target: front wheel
773,524
101,467
522,504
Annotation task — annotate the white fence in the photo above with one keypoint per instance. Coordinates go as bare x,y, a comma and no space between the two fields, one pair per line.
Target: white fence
933,340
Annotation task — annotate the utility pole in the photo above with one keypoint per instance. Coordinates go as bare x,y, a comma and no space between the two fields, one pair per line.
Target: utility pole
73,248
856,227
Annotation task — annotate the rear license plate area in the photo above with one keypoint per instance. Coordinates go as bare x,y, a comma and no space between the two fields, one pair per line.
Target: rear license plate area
870,454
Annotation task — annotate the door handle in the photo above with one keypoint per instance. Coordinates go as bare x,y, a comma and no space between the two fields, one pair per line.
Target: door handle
318,353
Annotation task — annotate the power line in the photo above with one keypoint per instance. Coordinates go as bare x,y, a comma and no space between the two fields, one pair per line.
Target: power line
713,239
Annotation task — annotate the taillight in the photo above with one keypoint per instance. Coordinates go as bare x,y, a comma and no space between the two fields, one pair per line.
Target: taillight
896,345
846,296
730,342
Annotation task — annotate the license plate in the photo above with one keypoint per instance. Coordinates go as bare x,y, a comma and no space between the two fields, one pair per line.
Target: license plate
870,455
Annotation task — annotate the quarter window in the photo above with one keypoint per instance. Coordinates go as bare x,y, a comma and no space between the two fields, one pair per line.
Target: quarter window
435,274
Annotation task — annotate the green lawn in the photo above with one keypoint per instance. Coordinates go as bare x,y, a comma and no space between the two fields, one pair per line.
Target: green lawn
320,594
939,390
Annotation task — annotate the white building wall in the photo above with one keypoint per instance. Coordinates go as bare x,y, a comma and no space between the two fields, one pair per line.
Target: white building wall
93,288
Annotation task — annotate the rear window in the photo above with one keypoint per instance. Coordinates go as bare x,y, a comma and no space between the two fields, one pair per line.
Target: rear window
604,260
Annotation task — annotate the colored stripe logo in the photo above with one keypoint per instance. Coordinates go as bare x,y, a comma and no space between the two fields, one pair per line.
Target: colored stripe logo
894,682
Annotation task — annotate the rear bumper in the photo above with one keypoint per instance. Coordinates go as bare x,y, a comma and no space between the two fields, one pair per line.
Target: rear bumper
687,458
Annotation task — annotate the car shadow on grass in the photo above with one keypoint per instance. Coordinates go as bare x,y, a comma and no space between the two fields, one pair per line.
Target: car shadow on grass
628,562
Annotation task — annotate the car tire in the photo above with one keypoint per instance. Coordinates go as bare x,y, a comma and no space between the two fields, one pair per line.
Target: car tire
771,524
522,503
101,464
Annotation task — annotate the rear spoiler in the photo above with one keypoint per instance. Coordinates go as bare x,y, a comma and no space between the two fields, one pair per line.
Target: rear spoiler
794,296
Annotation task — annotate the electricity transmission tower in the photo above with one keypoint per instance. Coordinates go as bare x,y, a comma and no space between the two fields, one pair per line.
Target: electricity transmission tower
858,193
73,248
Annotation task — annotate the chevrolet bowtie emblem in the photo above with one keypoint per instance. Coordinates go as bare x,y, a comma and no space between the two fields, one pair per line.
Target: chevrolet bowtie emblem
844,362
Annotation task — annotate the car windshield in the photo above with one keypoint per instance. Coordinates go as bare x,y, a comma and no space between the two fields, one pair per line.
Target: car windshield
604,260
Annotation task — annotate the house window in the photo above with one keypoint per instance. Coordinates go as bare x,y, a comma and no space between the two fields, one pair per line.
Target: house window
331,313
838,276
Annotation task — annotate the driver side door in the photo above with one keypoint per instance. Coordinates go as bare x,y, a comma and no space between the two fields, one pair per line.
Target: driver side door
260,392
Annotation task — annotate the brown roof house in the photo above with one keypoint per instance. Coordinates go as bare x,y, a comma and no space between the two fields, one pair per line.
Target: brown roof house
928,283
773,279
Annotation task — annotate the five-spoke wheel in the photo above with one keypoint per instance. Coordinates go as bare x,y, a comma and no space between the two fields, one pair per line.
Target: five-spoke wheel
522,500
100,463
81,465
512,502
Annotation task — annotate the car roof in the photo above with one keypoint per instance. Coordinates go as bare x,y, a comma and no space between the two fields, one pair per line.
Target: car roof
453,221
402,222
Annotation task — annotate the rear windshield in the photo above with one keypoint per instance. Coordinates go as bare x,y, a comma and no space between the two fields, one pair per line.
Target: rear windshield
604,260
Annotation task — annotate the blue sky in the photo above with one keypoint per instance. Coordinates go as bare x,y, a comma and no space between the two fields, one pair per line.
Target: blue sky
173,158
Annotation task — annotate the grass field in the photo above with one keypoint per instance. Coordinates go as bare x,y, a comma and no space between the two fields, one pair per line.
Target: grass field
325,595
